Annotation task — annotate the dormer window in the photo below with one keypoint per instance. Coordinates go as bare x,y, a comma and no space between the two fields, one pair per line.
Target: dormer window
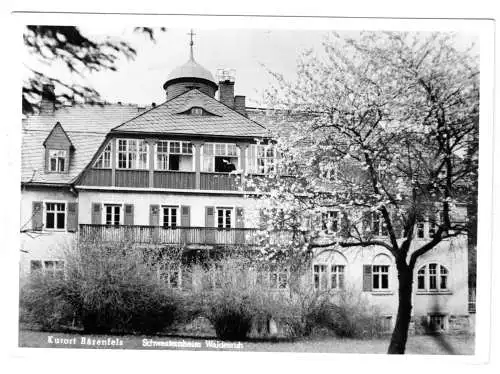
57,160
196,111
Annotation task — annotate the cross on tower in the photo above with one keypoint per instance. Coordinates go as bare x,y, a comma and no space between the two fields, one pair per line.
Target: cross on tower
191,34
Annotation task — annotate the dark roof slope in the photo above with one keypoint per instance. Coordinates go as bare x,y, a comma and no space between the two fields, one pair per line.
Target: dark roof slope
86,125
168,118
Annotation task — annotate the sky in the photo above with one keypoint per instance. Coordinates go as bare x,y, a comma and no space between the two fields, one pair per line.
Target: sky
250,52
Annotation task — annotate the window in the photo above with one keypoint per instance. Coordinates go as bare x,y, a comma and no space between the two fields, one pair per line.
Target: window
112,214
104,160
380,277
420,228
273,276
262,158
132,154
196,111
174,155
50,267
320,277
170,216
266,159
220,157
224,218
432,277
337,276
57,160
55,216
378,224
170,274
434,222
331,221
437,322
323,280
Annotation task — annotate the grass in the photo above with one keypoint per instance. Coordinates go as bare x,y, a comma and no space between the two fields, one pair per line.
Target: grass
419,344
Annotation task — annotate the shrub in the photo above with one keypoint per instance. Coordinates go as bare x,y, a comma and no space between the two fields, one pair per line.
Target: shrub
43,302
106,290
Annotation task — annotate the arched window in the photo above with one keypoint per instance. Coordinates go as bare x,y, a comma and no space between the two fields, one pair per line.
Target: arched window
432,277
329,272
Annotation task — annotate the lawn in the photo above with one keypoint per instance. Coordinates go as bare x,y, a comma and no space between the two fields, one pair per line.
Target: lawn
420,344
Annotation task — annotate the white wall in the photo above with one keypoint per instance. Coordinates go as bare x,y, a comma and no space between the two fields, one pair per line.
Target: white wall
451,253
47,244
142,201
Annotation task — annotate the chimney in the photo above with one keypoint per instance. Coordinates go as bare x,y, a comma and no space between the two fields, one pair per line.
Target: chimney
48,102
226,86
226,93
239,105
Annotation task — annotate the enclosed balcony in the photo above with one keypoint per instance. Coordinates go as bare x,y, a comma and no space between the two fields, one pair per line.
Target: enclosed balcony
212,236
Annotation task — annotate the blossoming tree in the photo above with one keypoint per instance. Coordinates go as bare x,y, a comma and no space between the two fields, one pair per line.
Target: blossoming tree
380,123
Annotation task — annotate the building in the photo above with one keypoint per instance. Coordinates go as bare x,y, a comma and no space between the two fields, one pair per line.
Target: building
172,174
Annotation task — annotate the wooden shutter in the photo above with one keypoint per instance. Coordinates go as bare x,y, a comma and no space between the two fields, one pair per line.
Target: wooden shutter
37,216
209,216
72,217
367,224
367,278
185,216
96,213
185,222
209,224
129,215
262,219
154,215
240,224
397,224
344,225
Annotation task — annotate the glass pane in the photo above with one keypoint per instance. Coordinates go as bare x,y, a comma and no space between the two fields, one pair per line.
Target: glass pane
432,282
60,220
421,282
443,285
49,221
385,281
375,281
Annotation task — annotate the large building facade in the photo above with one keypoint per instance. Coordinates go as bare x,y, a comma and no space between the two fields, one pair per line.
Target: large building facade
173,175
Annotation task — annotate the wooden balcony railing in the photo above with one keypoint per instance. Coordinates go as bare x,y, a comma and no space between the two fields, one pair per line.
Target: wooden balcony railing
181,235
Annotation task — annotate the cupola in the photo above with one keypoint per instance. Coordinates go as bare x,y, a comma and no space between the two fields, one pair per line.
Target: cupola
188,76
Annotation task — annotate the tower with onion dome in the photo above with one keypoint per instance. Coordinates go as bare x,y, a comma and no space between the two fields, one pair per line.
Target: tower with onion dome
189,76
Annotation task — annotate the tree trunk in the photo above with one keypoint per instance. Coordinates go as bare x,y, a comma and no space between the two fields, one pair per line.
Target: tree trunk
400,333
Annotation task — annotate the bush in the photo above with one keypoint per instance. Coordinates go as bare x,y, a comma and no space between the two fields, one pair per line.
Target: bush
347,314
43,302
105,290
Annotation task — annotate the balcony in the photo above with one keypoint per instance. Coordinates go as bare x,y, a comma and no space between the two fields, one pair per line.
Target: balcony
180,235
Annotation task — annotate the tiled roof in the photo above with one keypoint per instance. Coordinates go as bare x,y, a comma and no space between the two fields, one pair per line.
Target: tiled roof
165,118
85,125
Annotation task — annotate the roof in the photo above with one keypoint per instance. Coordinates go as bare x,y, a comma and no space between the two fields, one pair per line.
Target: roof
86,127
190,69
168,118
53,131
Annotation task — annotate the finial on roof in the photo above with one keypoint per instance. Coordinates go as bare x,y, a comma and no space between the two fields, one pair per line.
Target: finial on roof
191,34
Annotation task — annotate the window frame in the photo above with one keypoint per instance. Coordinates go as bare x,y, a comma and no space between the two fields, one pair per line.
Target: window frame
325,275
56,219
44,270
121,213
379,275
170,269
326,217
272,275
253,164
232,217
177,216
206,155
169,152
58,159
102,158
424,273
132,156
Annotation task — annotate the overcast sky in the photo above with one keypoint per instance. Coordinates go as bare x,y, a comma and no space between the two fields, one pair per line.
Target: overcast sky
248,51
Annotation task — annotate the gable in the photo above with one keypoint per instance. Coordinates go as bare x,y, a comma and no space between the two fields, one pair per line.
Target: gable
58,139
